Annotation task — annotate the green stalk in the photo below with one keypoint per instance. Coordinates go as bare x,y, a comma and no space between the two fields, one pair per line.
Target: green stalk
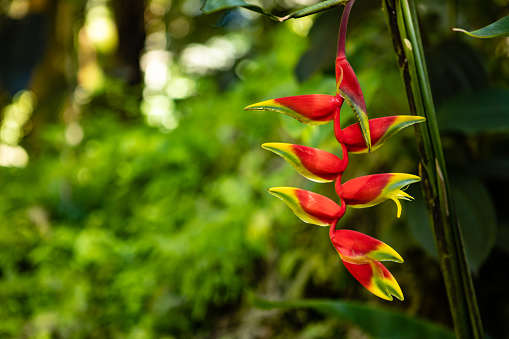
402,20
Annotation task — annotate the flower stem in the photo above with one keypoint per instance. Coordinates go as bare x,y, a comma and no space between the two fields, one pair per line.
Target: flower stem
339,133
342,28
402,20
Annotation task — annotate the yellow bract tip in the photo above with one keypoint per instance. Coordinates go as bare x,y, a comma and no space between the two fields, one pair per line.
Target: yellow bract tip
397,204
272,146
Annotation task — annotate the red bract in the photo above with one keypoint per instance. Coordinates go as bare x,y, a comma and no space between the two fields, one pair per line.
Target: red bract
361,255
313,109
350,90
310,207
381,130
376,278
312,163
371,190
358,248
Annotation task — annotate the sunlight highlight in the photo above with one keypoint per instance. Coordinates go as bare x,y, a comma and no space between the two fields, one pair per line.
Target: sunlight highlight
13,156
15,119
302,26
155,66
218,53
15,116
100,27
74,134
19,9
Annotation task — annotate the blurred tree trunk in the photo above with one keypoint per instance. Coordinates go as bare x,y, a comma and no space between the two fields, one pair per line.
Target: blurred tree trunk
129,18
55,76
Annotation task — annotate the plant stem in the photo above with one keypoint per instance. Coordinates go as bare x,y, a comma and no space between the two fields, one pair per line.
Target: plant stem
402,20
342,28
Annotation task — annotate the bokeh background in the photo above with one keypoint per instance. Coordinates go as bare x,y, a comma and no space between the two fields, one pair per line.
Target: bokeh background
133,188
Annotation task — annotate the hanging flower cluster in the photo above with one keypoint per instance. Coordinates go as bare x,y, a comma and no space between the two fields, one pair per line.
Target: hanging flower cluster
361,254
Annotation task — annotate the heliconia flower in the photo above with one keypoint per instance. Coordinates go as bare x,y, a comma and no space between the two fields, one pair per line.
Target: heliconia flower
312,109
361,255
312,163
370,190
310,207
381,130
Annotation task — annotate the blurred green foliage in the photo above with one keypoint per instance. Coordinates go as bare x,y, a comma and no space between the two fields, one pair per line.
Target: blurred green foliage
124,226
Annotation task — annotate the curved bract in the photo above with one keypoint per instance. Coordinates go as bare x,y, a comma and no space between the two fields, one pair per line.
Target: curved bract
313,109
350,90
308,206
376,278
359,248
370,190
381,130
361,255
312,163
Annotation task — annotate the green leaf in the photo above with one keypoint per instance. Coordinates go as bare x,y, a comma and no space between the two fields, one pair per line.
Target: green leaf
316,8
455,67
212,6
476,214
486,110
497,29
377,322
418,222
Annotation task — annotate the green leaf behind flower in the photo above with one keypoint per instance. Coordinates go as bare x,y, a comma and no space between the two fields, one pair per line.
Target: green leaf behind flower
212,6
375,321
497,29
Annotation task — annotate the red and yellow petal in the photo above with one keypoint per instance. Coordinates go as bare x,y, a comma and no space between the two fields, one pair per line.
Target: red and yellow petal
370,190
310,207
381,130
313,109
312,163
358,248
376,279
349,89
